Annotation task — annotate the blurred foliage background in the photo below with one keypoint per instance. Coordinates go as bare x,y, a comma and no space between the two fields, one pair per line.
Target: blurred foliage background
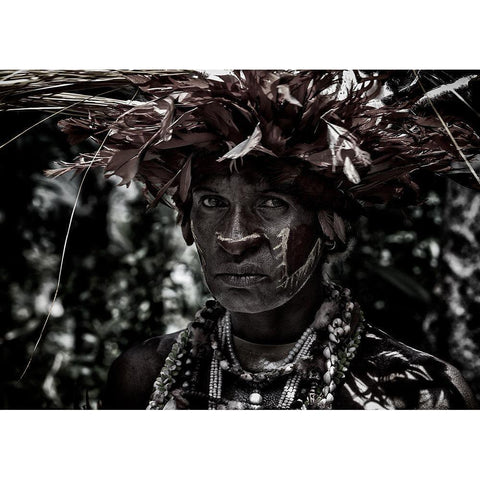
128,275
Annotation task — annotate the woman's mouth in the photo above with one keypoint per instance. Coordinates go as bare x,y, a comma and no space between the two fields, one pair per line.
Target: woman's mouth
241,280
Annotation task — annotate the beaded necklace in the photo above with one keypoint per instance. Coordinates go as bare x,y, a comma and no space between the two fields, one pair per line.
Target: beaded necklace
208,341
230,363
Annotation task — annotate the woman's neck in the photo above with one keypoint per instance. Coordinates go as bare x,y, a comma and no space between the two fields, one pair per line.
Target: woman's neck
284,324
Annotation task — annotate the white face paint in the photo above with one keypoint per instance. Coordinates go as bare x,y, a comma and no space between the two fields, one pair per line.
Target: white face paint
237,240
259,247
297,280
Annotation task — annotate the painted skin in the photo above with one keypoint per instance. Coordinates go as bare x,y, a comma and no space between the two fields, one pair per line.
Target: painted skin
259,246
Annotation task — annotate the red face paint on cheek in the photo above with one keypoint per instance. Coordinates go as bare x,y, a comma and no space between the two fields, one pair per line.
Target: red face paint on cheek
300,251
299,245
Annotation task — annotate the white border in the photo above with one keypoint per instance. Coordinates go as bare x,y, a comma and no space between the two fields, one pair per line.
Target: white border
214,34
238,445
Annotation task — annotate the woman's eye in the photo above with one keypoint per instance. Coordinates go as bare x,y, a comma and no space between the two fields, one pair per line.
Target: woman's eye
213,202
273,202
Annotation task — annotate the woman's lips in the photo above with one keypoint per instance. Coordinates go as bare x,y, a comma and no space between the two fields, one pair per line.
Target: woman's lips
241,280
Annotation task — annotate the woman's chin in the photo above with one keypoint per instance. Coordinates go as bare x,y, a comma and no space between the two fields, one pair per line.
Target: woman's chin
252,299
238,305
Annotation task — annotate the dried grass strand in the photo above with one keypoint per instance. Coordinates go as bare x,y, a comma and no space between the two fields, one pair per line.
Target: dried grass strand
449,133
51,116
62,258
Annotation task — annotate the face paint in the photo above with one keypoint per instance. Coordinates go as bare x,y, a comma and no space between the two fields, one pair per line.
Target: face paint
242,239
295,282
259,247
293,277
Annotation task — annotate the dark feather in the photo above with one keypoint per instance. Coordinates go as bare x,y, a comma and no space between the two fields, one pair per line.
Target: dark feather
326,224
185,179
369,133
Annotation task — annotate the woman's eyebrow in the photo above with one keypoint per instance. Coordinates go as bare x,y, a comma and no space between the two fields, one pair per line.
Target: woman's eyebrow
283,189
203,189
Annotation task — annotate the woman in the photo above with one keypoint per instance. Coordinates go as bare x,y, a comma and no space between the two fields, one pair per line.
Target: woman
266,170
278,336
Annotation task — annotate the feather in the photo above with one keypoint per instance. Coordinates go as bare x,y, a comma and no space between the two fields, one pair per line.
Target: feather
244,147
185,179
350,171
368,133
345,151
339,227
124,164
326,224
284,92
161,192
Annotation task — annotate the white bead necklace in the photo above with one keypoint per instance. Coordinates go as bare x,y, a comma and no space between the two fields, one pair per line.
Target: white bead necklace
299,351
173,381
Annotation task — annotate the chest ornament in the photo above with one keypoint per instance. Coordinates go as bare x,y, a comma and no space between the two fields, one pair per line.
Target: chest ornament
310,373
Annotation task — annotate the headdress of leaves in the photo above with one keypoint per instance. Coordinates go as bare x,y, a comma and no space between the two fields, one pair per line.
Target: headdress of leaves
372,134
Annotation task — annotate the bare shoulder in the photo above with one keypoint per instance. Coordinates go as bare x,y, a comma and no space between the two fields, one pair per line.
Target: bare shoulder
131,375
389,374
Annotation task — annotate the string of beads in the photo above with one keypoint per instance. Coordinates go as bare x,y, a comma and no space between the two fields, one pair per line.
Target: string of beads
338,317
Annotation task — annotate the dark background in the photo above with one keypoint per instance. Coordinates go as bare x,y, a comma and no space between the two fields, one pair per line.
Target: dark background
127,275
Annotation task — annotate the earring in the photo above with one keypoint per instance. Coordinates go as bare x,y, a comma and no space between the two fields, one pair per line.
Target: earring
330,244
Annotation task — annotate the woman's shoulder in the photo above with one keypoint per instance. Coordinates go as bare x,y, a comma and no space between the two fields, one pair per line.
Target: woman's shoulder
131,375
390,374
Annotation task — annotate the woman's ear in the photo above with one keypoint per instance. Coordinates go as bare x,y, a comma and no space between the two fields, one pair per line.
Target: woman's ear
187,231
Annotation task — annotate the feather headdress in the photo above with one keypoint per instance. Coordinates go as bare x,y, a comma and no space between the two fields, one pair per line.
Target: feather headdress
373,134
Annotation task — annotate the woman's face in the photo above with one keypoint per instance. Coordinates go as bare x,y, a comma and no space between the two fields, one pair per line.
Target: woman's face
258,244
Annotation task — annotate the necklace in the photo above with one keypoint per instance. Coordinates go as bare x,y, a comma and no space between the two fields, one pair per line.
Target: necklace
230,363
208,341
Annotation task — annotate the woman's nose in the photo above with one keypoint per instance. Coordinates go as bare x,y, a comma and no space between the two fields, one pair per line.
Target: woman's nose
237,246
239,234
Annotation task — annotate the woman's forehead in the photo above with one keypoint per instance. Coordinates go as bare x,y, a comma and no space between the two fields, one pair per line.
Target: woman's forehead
236,180
256,173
